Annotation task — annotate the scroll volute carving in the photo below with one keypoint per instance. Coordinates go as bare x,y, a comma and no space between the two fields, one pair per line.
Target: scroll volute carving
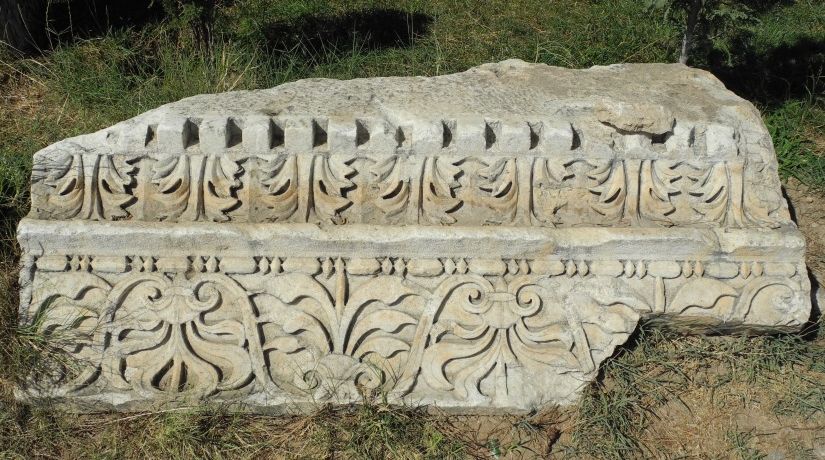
69,315
179,335
492,341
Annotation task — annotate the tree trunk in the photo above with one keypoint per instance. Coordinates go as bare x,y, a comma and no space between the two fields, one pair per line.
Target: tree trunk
687,39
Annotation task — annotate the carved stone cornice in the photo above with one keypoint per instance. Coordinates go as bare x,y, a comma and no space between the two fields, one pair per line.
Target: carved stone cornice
479,241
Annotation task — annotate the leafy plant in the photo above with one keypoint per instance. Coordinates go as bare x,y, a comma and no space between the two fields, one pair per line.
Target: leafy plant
705,20
195,16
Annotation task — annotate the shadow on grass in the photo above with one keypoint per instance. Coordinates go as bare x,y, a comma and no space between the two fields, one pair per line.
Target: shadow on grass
788,71
35,26
367,30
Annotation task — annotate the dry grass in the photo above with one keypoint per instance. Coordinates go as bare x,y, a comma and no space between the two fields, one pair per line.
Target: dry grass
686,397
663,395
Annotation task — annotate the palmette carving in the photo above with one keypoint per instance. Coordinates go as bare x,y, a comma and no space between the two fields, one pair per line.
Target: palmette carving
480,332
333,344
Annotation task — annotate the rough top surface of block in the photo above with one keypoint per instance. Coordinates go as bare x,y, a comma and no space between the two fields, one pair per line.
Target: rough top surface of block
511,144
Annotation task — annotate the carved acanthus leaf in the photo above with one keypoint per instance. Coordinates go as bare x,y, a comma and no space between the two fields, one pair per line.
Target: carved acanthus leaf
439,184
280,179
501,189
173,179
114,180
195,187
710,192
611,190
656,185
88,186
218,189
393,188
548,176
68,181
330,180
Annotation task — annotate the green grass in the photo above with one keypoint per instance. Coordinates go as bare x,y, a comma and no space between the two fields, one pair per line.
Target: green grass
795,126
369,431
88,84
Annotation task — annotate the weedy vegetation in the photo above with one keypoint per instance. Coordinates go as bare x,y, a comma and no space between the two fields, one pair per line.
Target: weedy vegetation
662,395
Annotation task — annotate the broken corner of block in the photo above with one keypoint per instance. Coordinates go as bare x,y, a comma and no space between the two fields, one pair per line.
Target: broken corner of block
479,241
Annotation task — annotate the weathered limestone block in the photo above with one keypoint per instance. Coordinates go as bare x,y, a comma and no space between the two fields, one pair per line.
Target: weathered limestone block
479,241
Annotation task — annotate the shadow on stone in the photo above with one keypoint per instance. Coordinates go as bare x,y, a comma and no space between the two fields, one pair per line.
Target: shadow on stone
813,329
